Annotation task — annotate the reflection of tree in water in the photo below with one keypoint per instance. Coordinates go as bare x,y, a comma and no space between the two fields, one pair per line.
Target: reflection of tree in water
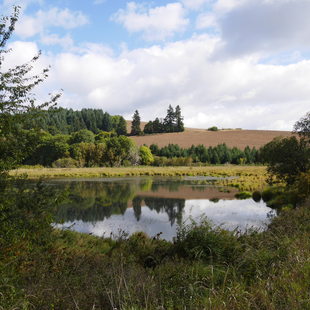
95,201
173,207
171,186
136,204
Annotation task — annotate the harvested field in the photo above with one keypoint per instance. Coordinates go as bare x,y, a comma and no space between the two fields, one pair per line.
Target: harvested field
238,138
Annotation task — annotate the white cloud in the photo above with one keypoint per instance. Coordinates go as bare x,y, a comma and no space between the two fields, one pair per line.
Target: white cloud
234,91
156,23
29,26
265,27
206,20
194,4
54,39
228,93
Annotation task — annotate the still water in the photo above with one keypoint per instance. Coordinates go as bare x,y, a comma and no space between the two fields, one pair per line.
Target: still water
111,206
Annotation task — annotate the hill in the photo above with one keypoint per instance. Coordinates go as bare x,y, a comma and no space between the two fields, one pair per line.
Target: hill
238,138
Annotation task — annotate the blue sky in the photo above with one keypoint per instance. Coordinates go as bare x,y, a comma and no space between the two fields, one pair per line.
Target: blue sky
230,63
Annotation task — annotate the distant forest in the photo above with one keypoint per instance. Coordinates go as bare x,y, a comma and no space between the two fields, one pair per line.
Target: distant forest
91,138
67,121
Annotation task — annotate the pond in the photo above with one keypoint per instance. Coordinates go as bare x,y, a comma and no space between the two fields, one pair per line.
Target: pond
114,206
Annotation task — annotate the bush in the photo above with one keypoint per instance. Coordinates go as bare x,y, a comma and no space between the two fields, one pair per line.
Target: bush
201,241
146,156
67,162
243,195
213,128
257,196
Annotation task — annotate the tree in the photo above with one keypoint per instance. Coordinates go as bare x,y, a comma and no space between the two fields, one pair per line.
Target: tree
146,156
119,125
83,135
135,125
169,121
179,119
17,103
286,158
302,127
25,213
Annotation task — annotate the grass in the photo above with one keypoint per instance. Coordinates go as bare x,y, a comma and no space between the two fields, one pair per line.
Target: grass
249,178
204,268
226,170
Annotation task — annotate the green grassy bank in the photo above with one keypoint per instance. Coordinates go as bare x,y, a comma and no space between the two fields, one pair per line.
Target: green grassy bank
203,269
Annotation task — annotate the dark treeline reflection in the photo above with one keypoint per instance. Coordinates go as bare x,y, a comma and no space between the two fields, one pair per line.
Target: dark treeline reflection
95,201
173,207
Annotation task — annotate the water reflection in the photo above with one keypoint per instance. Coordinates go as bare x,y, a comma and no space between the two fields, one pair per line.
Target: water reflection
152,205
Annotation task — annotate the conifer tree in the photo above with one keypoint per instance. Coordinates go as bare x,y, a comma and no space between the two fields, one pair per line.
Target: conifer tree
169,121
179,119
135,125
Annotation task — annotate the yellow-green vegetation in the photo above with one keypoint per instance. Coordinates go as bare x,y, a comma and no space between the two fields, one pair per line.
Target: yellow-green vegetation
247,178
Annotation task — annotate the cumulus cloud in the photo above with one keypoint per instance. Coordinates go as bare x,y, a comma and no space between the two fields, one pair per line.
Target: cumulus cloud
231,93
239,91
29,26
194,4
156,23
268,26
206,20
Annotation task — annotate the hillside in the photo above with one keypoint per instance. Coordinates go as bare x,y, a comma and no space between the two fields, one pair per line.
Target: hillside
238,138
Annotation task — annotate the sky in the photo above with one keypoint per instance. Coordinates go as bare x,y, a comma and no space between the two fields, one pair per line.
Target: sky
227,63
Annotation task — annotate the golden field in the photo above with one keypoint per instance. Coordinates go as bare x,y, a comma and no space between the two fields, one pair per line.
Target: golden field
238,138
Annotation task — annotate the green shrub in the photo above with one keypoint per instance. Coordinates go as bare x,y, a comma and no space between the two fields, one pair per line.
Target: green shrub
67,162
209,244
257,196
268,194
213,128
243,195
146,156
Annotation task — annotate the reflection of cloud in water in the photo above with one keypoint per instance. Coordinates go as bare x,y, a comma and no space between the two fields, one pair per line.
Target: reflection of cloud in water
228,213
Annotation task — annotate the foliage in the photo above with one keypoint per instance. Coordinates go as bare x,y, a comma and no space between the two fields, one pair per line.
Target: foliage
286,158
82,135
257,196
146,157
173,122
119,123
220,154
213,128
66,162
68,121
243,195
135,125
16,98
302,127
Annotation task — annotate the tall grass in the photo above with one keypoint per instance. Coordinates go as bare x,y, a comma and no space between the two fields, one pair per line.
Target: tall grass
204,268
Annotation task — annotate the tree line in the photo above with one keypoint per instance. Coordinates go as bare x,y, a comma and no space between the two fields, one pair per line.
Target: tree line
220,154
173,122
86,149
67,121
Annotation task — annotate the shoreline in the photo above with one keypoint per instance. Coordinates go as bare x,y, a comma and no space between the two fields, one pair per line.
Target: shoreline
97,172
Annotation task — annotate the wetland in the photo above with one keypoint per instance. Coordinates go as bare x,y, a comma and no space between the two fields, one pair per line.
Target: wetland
155,205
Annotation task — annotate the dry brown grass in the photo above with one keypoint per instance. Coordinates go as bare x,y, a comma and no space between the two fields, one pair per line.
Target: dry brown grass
238,138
